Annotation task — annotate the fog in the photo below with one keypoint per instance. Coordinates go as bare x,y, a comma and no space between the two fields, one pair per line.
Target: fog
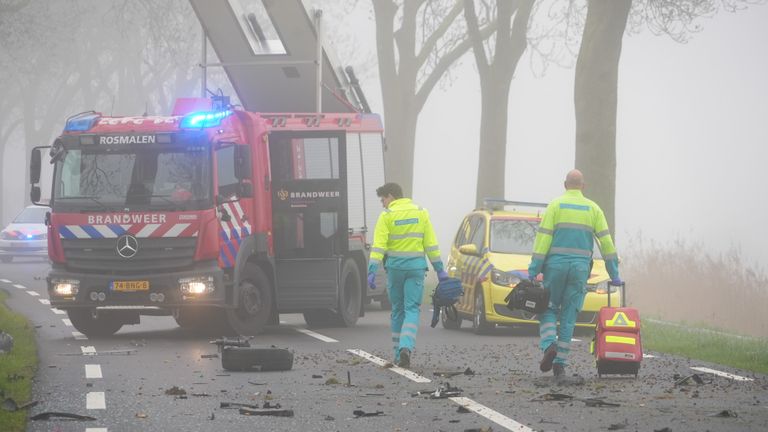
691,136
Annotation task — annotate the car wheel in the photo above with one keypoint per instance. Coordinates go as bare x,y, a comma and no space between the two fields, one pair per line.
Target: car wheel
93,324
450,322
254,305
479,324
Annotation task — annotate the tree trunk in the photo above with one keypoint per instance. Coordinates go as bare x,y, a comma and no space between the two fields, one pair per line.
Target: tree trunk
493,140
595,94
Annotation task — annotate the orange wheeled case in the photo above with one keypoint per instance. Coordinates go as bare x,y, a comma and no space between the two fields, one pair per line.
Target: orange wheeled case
617,344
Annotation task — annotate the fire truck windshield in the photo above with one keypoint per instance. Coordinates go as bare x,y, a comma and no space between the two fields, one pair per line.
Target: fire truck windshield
133,178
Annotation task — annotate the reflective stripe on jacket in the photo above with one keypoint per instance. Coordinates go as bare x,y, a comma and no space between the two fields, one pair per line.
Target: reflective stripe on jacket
567,230
404,234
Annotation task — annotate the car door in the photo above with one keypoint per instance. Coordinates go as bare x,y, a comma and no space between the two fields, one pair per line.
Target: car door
463,263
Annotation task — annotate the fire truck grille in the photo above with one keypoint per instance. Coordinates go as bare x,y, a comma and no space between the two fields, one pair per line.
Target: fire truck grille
153,255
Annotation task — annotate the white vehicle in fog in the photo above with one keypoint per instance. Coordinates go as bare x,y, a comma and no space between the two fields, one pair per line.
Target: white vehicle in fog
26,236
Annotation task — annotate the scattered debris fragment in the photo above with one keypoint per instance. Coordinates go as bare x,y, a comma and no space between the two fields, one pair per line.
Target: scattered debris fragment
724,413
256,383
331,381
590,402
10,405
233,405
361,413
209,356
329,418
200,394
267,409
50,415
552,397
685,380
316,376
482,429
176,391
463,410
617,426
141,415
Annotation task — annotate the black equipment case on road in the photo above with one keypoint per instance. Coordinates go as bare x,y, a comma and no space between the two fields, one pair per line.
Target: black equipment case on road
238,358
617,345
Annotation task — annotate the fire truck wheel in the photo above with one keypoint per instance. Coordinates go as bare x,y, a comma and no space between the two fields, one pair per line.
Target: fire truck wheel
254,305
94,325
350,297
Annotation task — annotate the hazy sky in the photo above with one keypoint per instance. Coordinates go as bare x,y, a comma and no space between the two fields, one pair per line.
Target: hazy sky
692,138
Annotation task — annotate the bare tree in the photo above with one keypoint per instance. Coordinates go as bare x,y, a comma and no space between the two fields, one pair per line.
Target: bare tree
417,43
496,60
595,90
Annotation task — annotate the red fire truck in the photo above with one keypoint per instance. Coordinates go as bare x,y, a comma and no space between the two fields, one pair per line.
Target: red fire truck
218,216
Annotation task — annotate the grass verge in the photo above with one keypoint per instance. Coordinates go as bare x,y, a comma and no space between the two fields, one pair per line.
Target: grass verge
706,344
18,367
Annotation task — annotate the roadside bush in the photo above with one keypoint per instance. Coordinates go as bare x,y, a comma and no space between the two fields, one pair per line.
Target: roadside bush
681,282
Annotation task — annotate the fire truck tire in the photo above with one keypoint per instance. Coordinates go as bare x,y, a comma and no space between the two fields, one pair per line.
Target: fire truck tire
254,305
94,326
351,294
256,359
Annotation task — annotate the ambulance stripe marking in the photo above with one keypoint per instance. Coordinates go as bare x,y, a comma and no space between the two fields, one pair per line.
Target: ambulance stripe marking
147,230
176,230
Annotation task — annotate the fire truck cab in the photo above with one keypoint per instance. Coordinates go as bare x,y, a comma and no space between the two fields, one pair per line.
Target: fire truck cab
223,218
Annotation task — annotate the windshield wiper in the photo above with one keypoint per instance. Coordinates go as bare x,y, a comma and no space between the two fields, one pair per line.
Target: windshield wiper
92,198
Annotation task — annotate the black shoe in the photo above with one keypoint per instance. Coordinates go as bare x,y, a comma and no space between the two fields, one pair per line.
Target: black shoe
405,358
549,356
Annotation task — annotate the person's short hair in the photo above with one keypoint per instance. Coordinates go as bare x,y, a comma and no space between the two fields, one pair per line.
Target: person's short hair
393,189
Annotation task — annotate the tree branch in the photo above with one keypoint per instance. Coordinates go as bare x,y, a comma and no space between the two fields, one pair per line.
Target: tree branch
431,42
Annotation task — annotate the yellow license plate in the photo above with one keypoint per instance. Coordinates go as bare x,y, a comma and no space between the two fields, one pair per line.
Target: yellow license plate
130,286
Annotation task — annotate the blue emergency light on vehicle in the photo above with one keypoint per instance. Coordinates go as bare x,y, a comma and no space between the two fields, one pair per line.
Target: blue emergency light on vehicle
204,119
81,122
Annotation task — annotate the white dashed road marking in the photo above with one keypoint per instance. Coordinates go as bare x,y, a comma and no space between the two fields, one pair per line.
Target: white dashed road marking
316,335
95,400
480,409
67,322
93,371
95,429
722,374
88,350
398,370
79,336
19,286
33,293
58,311
5,280
491,415
44,301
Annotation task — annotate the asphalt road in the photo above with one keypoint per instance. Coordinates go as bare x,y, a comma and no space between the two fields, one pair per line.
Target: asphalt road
507,392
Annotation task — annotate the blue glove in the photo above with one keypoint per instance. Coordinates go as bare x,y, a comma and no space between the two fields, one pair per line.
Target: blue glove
617,282
372,280
442,275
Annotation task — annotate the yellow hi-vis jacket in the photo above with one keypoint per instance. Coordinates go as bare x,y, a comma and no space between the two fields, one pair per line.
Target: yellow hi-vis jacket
404,234
566,233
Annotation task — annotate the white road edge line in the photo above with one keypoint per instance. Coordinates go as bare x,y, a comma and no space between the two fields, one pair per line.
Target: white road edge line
79,336
88,350
19,286
398,370
67,322
494,416
479,409
316,335
5,280
93,371
44,301
722,374
95,400
95,429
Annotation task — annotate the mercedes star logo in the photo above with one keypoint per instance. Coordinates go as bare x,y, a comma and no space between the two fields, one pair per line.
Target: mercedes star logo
127,246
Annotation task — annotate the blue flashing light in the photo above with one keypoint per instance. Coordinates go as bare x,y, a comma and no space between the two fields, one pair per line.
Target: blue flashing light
81,122
204,119
29,236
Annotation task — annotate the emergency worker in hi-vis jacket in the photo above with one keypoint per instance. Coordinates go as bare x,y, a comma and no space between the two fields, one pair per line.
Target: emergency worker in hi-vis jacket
403,234
563,252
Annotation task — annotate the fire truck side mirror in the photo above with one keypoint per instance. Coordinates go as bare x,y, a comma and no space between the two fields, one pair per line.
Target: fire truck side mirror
242,162
34,166
34,194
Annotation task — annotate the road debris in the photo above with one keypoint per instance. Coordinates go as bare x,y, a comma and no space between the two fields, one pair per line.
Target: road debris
176,391
463,410
10,405
451,374
559,397
125,352
141,415
445,390
267,409
686,380
361,413
724,413
209,356
51,415
331,381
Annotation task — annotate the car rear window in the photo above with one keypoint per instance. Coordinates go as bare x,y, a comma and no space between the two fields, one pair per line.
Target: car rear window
31,215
